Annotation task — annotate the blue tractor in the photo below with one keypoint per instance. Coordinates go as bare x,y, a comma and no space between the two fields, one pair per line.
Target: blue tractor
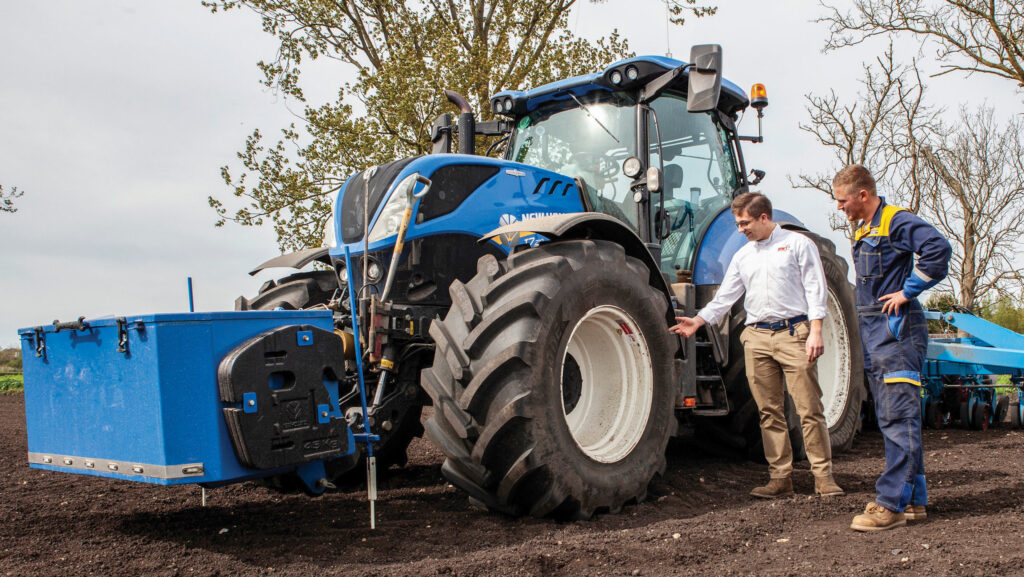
527,297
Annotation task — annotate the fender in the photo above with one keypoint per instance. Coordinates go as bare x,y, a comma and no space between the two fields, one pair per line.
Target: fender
597,225
588,225
297,259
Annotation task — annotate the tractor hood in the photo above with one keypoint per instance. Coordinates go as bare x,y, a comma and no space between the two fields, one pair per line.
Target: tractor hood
469,195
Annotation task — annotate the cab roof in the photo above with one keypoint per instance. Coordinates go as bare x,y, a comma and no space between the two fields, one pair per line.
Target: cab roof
733,99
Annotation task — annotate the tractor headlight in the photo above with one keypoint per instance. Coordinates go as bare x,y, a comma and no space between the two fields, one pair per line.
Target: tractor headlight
390,219
373,271
616,77
330,236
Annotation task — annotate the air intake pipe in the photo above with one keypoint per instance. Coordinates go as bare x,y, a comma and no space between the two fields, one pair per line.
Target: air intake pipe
467,122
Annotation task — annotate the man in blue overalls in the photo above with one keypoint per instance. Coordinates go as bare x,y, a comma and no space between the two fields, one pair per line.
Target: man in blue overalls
894,334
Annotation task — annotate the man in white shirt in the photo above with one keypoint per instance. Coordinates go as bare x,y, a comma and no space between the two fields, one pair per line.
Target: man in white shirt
780,271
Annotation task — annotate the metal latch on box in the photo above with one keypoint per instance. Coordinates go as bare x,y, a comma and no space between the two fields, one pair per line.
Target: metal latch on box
122,335
122,332
40,342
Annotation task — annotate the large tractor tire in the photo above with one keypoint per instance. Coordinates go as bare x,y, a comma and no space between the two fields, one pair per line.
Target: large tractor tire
840,372
314,289
553,381
294,292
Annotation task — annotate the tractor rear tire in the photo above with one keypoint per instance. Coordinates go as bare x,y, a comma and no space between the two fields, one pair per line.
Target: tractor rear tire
314,289
840,372
553,381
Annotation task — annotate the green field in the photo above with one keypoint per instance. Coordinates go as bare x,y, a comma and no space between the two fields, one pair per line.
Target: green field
11,384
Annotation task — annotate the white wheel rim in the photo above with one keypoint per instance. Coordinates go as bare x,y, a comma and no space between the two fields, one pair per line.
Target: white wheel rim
834,365
617,384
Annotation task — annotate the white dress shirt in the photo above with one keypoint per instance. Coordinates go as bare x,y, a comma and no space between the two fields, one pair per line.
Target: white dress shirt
781,275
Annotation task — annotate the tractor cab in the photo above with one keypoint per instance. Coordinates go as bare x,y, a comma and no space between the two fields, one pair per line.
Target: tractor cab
608,130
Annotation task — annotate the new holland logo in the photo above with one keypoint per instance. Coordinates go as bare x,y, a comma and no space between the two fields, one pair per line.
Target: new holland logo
515,237
505,220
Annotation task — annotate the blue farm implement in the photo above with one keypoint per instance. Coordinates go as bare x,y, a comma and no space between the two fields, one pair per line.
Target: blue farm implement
208,398
960,374
526,297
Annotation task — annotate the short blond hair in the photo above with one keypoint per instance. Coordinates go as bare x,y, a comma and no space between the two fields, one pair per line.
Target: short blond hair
856,176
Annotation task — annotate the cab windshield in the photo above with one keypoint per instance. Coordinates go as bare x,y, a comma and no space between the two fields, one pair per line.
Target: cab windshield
588,139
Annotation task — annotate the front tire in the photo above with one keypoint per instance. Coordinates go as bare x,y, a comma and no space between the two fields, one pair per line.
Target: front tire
553,381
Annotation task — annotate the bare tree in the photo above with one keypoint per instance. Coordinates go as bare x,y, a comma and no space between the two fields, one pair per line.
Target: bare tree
966,177
7,199
984,36
881,129
975,195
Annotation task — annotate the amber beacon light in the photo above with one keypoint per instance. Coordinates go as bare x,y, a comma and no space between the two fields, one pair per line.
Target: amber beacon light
758,97
758,100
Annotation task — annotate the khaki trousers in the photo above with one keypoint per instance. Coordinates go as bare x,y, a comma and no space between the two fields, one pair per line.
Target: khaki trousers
776,361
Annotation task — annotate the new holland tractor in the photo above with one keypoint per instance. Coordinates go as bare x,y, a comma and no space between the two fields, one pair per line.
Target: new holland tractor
527,298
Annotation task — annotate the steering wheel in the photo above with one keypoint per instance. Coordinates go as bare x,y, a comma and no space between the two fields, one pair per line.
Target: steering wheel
598,164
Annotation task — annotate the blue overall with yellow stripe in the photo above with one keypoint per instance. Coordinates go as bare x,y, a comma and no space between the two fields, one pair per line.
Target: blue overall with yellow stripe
895,345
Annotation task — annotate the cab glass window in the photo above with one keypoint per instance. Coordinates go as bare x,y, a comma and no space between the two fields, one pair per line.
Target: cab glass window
588,142
699,178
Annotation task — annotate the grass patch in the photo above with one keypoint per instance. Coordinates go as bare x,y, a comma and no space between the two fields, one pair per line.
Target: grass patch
1004,390
11,384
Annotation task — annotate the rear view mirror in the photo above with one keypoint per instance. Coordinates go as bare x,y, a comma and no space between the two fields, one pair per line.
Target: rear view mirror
705,81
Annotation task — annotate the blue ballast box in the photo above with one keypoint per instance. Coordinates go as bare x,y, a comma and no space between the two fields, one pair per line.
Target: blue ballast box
137,397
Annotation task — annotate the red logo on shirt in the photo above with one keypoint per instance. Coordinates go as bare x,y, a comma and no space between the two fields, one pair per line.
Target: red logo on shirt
782,248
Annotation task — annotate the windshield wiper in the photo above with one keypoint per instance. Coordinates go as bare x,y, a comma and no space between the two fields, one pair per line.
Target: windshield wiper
587,112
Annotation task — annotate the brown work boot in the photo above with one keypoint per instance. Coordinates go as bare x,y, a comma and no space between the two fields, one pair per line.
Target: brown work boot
781,487
877,518
915,512
826,486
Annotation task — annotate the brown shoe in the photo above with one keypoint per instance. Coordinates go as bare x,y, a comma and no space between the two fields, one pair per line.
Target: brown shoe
781,487
826,487
915,512
877,518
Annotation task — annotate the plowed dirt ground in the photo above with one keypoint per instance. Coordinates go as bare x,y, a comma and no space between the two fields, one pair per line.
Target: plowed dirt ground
698,520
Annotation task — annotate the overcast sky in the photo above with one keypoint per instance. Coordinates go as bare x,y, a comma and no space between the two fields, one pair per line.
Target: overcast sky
116,116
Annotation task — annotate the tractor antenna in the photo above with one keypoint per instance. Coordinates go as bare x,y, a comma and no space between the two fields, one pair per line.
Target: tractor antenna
668,27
